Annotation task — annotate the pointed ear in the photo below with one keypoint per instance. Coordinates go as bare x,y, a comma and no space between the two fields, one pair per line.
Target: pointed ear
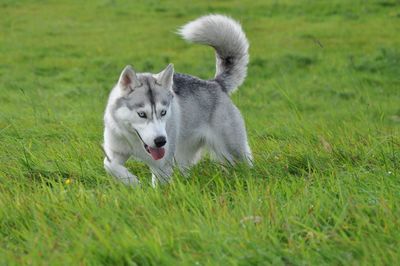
128,79
165,77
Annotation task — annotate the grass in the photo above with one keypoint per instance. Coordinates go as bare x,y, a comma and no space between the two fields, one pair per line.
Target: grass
321,104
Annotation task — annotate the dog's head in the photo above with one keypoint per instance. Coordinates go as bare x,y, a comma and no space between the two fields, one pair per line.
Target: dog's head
143,107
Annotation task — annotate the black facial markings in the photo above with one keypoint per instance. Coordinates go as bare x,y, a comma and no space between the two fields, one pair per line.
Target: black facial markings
140,137
150,96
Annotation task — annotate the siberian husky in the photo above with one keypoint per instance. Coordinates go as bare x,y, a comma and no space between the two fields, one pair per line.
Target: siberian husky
169,118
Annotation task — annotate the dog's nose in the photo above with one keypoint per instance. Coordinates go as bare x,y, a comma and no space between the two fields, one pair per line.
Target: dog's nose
160,141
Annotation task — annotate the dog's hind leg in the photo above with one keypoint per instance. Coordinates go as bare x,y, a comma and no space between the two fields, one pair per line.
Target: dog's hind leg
228,141
232,153
188,154
239,149
114,165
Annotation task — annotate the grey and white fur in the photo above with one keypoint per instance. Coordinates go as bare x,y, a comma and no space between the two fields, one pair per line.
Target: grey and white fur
169,119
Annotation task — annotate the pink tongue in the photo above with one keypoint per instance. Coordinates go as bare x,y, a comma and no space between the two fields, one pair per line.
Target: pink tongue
157,153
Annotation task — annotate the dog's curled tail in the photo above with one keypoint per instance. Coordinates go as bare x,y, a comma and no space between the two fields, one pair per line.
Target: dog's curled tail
229,41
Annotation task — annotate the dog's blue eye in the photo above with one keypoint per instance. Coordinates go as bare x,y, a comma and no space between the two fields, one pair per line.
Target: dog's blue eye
142,114
163,112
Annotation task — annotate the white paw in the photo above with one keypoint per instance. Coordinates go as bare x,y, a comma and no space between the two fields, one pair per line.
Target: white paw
130,180
160,180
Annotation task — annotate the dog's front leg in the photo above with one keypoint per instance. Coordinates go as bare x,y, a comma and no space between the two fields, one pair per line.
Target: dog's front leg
114,165
161,176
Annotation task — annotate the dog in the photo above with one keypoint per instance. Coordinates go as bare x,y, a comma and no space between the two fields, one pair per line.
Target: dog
168,119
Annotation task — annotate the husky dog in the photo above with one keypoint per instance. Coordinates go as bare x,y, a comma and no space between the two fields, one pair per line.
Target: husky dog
168,118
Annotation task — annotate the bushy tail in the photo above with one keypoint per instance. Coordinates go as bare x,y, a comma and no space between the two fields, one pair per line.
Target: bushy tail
229,41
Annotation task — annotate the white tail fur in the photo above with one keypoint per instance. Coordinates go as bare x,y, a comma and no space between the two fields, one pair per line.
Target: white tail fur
229,41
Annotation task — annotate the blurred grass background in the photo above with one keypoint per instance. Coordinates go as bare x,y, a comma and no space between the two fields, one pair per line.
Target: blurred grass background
321,104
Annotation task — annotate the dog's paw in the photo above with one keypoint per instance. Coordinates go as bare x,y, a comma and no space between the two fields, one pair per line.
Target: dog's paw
131,180
160,180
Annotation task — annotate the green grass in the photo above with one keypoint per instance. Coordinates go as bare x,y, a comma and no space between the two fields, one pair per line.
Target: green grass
322,108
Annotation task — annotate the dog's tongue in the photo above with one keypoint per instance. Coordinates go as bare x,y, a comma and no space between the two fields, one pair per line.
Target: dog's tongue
157,153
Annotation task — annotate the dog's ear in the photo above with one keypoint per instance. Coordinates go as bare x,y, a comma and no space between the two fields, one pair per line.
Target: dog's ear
165,77
128,79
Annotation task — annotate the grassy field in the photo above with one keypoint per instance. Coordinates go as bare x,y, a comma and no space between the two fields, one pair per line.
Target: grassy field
322,107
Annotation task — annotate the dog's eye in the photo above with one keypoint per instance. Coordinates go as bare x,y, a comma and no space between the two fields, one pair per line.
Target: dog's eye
163,112
142,114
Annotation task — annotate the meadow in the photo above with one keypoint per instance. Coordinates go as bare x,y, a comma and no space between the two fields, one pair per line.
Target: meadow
321,105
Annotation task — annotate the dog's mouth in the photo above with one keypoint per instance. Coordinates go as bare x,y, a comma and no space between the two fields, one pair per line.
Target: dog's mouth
156,153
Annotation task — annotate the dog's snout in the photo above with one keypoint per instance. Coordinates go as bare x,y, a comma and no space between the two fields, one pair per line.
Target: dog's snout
160,141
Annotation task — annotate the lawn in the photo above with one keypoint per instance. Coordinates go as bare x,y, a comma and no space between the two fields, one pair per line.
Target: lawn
321,105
